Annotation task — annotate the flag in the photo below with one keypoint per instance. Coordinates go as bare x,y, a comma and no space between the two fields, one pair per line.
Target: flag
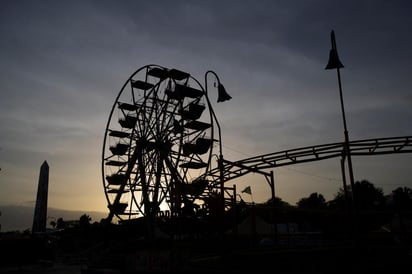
247,190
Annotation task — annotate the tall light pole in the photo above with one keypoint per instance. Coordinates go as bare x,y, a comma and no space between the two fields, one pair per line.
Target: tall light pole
222,96
335,63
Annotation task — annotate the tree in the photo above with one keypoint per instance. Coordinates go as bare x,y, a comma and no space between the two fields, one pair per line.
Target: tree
60,224
314,201
367,196
278,202
53,224
339,201
402,198
85,220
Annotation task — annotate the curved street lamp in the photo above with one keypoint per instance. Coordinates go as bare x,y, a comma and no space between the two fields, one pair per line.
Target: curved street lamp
222,97
335,63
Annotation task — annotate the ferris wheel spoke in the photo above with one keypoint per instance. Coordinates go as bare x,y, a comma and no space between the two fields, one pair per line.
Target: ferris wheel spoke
156,175
144,185
144,118
158,178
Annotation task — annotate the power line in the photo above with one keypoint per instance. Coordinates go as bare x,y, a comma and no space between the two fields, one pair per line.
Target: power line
237,151
312,174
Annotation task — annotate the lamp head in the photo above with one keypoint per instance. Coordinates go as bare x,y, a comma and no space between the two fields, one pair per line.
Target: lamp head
334,61
222,94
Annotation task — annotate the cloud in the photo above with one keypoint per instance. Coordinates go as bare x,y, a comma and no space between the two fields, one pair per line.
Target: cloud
64,63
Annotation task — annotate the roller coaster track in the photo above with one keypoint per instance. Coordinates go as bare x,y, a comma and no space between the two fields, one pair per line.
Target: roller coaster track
380,146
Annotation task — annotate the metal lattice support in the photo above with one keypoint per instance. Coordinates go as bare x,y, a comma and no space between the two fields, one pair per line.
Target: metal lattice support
259,163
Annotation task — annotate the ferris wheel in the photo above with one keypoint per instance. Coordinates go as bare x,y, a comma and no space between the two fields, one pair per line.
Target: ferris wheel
158,144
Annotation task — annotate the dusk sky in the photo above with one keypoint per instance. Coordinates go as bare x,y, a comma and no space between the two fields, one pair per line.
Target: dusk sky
64,62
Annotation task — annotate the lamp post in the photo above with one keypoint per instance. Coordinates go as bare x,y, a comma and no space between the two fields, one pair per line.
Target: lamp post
222,97
334,63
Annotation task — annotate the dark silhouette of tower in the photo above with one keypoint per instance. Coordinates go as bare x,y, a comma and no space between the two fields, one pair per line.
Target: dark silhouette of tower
40,211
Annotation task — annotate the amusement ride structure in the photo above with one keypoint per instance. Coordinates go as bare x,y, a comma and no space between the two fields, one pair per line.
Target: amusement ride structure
159,143
162,134
160,138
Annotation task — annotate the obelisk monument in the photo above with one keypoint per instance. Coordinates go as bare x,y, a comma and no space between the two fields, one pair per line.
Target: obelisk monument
40,211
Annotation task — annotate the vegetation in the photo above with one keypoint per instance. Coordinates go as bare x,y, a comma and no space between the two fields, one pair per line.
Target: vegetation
101,243
365,197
